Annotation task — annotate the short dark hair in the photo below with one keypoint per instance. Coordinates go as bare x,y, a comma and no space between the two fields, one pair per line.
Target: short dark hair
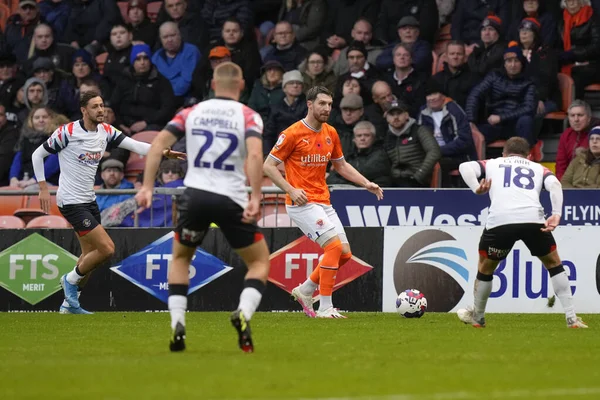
89,81
517,145
314,91
121,25
85,97
234,20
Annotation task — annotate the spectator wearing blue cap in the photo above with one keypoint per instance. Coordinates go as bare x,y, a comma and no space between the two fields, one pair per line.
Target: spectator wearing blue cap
143,97
584,171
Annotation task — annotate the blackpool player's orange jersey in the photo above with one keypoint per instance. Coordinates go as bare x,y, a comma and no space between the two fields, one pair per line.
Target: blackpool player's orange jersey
306,153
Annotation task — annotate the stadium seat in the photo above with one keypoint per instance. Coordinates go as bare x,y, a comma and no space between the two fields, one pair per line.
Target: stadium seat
440,62
442,40
27,214
336,54
100,61
8,204
269,37
4,14
152,10
436,176
434,64
123,5
145,136
34,202
567,92
275,221
479,141
48,221
593,88
11,222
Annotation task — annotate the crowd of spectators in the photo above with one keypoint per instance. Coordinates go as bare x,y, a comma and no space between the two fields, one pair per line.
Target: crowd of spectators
398,115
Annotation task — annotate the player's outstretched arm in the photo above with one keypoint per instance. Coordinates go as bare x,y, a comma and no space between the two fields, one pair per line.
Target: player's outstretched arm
164,140
554,187
298,196
255,173
470,172
143,148
350,173
37,158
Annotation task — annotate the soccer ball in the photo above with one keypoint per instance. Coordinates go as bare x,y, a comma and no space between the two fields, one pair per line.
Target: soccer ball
411,304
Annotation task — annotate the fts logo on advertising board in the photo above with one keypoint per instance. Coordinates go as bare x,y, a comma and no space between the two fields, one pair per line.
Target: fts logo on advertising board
31,269
432,262
292,264
148,268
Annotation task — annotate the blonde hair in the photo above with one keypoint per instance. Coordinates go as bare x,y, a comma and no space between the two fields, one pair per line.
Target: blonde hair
49,128
227,75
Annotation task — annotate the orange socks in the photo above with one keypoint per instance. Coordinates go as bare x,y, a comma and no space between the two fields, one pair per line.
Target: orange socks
329,267
344,258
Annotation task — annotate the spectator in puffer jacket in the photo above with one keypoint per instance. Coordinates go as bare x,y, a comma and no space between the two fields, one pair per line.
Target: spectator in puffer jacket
579,30
267,90
243,49
367,156
90,22
575,136
411,148
341,18
289,110
420,50
450,127
469,14
392,11
61,93
456,78
216,12
584,171
56,14
19,29
176,60
534,9
408,85
487,53
511,100
142,28
143,98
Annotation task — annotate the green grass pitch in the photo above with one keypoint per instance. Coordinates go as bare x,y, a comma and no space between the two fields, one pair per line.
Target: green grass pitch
368,356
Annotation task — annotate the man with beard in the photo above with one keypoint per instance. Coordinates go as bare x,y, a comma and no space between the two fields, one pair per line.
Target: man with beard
80,145
306,147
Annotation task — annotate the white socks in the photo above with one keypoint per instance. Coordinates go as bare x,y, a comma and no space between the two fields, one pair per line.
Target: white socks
562,288
308,287
73,277
249,301
481,294
177,307
325,303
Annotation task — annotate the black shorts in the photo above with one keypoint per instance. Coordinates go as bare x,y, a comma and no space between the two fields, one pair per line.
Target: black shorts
199,208
496,243
83,217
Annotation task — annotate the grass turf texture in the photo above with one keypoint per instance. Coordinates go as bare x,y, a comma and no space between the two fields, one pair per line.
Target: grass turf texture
369,355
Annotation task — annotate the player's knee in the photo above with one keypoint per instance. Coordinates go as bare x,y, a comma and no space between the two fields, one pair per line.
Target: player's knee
345,257
107,249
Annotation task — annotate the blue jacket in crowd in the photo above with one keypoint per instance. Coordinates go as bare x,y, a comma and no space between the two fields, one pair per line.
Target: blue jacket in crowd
105,201
422,58
178,70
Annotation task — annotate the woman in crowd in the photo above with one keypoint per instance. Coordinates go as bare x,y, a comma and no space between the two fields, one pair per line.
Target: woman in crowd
267,90
317,70
584,171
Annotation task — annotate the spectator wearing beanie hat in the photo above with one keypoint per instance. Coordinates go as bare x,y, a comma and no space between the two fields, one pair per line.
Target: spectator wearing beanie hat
267,90
289,110
584,171
510,98
487,55
536,10
469,14
450,127
541,67
143,98
142,28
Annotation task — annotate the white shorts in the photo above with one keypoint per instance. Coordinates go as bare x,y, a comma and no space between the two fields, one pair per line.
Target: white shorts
315,219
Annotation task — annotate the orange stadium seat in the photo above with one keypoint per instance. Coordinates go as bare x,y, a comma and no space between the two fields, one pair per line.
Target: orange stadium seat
442,40
436,176
34,202
8,204
440,62
100,61
434,63
136,163
152,10
593,88
11,222
27,214
4,14
567,92
123,8
145,136
275,220
48,221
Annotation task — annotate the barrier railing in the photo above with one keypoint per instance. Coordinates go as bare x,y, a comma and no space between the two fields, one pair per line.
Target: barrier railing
273,203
